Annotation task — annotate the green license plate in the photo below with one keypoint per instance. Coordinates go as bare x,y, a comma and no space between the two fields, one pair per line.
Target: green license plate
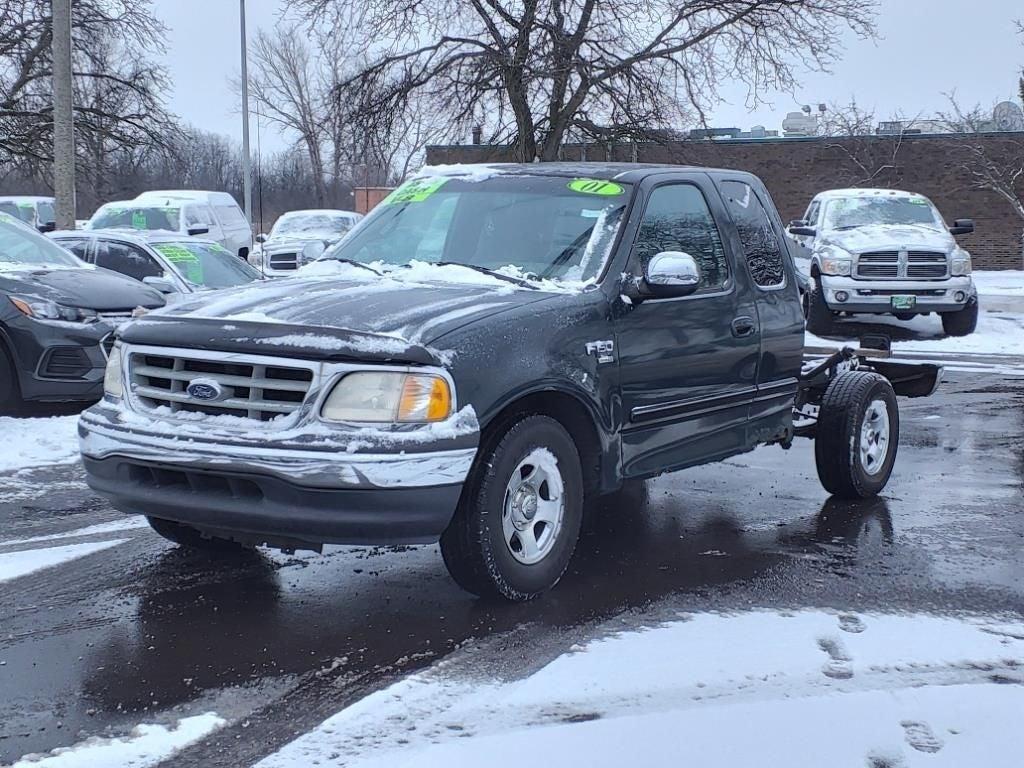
904,302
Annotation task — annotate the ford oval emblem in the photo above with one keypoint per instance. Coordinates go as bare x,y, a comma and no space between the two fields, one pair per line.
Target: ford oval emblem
204,389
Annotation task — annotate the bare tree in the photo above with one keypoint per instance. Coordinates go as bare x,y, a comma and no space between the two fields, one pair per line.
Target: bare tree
25,67
532,71
864,154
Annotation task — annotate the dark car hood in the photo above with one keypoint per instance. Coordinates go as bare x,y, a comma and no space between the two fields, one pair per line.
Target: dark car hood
98,289
368,319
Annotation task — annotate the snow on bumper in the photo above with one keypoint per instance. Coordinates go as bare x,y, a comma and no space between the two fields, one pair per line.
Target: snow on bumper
875,296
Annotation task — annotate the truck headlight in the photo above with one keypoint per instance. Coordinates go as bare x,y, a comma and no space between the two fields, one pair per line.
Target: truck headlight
960,265
832,265
112,382
389,397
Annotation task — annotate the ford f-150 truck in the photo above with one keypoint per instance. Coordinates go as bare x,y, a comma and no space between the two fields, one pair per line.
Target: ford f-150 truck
882,251
488,349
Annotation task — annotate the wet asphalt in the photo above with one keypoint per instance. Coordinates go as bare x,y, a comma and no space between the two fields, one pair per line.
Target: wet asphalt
145,632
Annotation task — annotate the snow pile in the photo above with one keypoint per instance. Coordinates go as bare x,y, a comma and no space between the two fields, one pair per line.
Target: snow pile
802,689
466,172
30,443
14,565
146,745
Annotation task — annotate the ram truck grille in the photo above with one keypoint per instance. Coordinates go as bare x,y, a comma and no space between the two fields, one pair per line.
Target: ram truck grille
902,265
255,390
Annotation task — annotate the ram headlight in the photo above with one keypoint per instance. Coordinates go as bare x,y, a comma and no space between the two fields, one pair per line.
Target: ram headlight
113,384
391,397
960,265
835,261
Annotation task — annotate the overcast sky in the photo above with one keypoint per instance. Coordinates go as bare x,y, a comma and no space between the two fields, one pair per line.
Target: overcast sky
927,48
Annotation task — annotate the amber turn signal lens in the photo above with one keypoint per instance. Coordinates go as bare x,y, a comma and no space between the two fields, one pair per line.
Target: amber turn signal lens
424,398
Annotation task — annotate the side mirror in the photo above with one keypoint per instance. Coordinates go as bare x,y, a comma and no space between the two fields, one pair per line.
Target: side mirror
50,226
800,229
198,230
670,274
962,227
162,284
261,238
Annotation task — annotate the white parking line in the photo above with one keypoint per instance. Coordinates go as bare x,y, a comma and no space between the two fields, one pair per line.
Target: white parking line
14,565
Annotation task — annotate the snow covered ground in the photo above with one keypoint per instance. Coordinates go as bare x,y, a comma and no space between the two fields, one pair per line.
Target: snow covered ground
796,689
1006,282
37,442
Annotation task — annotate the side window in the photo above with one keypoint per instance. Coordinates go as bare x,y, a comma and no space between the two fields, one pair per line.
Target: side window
761,245
230,216
190,215
126,259
205,215
811,217
677,218
45,212
79,247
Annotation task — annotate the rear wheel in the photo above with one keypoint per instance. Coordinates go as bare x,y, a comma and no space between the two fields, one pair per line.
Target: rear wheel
519,517
819,317
857,436
961,323
193,538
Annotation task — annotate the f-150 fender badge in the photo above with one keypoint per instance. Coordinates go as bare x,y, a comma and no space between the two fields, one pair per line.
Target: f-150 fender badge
604,350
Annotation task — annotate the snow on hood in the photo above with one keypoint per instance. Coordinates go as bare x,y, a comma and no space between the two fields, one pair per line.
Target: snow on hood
890,237
306,236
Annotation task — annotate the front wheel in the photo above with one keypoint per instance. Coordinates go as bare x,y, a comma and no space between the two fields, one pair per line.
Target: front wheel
961,323
519,517
820,320
857,436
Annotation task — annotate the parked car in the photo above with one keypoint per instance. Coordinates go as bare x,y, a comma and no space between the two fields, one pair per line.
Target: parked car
34,210
217,211
299,237
165,260
881,251
529,336
57,317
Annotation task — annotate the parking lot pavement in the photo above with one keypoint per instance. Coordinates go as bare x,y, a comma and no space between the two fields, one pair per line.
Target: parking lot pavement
106,626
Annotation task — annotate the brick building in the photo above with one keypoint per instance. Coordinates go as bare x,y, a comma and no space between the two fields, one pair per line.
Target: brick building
797,169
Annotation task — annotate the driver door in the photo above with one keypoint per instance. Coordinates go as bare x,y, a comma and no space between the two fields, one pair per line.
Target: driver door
687,366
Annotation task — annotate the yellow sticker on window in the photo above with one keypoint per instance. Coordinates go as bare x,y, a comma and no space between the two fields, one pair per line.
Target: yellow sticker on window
415,191
596,187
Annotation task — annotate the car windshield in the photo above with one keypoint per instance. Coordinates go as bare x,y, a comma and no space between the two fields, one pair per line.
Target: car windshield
312,222
21,248
852,212
126,216
206,265
544,226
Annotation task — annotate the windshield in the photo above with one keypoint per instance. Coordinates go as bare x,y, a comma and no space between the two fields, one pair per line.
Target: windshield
207,265
550,227
22,248
851,212
313,222
127,216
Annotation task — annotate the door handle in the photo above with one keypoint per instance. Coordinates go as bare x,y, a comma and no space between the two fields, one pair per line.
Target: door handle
744,326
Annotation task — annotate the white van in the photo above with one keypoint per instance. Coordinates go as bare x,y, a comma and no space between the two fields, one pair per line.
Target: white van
35,210
220,214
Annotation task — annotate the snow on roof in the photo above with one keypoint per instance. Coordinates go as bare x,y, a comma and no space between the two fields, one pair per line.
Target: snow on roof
833,194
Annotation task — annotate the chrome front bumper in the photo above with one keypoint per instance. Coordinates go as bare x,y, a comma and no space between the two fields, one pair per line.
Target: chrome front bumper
875,296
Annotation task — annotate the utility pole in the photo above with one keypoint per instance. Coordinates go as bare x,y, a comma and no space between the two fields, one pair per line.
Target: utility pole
246,157
63,116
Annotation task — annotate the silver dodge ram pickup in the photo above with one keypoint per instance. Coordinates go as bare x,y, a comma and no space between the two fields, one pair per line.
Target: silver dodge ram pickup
882,251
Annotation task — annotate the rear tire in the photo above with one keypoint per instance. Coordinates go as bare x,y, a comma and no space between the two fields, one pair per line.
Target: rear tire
962,323
192,538
857,436
519,517
820,319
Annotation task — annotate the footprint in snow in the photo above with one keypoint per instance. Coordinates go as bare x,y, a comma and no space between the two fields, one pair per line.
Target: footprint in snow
920,736
852,624
838,667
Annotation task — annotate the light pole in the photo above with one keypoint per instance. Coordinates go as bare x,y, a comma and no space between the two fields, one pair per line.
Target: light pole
63,117
246,157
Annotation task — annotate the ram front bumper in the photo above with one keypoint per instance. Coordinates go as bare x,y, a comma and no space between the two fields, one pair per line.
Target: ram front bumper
875,296
292,493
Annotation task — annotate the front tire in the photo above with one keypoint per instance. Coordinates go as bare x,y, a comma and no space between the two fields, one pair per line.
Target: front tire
191,538
519,518
10,392
820,319
963,322
857,436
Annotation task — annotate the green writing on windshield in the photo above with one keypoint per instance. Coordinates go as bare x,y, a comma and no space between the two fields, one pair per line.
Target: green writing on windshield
186,262
414,191
596,187
138,220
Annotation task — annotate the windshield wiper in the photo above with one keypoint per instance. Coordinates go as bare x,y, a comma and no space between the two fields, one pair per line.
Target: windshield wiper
351,262
486,271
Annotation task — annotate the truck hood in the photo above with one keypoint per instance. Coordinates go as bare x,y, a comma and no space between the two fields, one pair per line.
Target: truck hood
890,237
86,287
298,239
374,318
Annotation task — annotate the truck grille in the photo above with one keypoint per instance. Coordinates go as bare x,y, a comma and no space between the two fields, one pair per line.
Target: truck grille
255,390
908,265
284,261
